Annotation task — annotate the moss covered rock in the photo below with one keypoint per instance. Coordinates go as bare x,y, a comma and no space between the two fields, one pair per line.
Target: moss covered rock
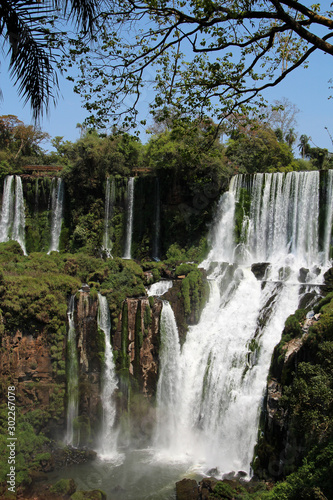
89,495
64,487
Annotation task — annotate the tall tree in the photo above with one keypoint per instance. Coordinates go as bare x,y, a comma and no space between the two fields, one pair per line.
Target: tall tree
282,115
291,137
198,56
24,28
18,139
304,146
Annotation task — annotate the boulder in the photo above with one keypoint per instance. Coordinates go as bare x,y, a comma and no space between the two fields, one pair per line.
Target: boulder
187,489
89,495
259,270
64,487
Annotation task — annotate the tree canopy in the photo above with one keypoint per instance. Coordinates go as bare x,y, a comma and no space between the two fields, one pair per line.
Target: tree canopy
202,57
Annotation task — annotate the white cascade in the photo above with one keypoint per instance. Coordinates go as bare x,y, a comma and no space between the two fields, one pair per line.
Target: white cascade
18,232
222,367
12,224
108,439
169,377
7,211
159,288
129,215
110,197
57,206
72,437
328,218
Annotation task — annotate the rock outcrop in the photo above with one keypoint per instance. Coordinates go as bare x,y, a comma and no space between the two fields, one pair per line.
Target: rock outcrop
136,341
90,352
26,363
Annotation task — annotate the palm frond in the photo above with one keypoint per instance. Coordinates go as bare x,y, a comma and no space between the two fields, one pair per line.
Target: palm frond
31,62
82,12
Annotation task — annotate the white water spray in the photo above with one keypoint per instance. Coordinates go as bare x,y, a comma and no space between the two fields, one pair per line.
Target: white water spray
12,223
129,224
159,288
110,197
108,439
57,203
223,365
169,378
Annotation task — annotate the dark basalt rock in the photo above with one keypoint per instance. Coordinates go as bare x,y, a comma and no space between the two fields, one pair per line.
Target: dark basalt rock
187,489
259,269
302,275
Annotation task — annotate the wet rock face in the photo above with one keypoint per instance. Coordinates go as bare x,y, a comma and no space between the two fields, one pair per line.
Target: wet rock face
259,269
142,341
172,296
88,356
26,363
274,393
187,489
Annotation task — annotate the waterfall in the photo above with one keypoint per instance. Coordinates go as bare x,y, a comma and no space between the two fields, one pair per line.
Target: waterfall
108,441
129,223
72,377
57,203
222,368
283,220
110,197
7,212
12,224
328,218
159,288
157,224
168,381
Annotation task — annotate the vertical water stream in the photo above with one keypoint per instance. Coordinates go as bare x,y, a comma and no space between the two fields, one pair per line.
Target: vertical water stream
110,197
108,438
12,223
129,218
57,203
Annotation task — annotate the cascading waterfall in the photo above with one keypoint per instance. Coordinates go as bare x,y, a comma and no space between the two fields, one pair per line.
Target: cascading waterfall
110,197
108,440
168,381
129,223
12,224
72,437
222,368
7,212
157,224
57,204
159,288
328,218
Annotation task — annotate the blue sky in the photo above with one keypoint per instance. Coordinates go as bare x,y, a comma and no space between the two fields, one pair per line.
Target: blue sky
308,89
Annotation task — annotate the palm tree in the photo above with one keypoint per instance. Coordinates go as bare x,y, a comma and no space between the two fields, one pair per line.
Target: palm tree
304,145
24,25
290,137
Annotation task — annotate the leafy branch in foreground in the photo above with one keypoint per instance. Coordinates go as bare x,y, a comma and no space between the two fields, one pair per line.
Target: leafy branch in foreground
24,28
199,56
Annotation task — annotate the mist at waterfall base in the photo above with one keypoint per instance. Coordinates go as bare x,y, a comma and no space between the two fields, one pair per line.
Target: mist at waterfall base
211,389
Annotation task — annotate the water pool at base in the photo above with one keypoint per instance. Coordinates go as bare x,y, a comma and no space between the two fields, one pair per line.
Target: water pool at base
133,475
